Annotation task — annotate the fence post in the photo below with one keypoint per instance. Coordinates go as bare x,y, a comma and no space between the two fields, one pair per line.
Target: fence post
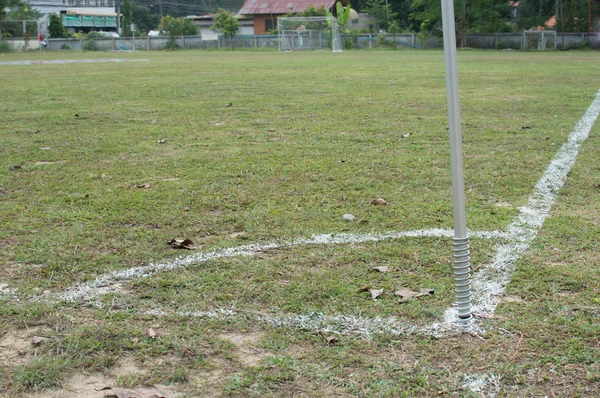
183,42
370,40
495,40
412,39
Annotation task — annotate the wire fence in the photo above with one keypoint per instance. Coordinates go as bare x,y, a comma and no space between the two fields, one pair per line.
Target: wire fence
506,41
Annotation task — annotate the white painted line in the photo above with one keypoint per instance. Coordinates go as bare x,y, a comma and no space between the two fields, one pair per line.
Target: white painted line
109,282
489,283
71,61
485,385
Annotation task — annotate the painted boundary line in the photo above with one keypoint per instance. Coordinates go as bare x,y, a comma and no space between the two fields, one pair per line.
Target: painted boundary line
110,282
71,61
489,282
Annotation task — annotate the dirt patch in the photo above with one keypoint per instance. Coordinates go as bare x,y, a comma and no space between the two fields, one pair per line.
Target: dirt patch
86,385
16,346
249,353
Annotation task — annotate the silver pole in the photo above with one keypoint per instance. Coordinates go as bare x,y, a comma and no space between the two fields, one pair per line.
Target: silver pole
462,264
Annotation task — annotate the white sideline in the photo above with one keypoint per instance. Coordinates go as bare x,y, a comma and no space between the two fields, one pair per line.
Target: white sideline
488,283
106,283
71,61
491,280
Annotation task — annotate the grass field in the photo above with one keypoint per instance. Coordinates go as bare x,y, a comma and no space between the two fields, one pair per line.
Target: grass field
103,163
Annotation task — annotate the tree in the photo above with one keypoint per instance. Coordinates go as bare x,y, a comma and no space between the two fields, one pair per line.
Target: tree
177,27
56,29
226,24
384,15
127,18
144,19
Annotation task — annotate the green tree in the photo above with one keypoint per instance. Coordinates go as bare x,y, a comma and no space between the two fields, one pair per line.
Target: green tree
144,19
177,27
383,13
127,18
56,29
226,24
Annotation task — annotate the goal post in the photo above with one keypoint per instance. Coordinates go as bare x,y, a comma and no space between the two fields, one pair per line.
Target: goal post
308,33
539,40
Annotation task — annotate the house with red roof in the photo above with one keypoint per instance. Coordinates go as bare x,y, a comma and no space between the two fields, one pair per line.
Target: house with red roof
265,12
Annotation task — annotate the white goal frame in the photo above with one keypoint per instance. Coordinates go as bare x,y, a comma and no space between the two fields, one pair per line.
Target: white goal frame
539,40
308,33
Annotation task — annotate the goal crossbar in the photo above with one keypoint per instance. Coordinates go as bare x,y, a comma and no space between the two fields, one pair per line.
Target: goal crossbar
308,33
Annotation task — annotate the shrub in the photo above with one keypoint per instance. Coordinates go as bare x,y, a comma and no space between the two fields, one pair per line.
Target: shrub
6,47
65,47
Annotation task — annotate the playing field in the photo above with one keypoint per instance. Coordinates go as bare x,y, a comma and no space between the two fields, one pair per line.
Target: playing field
256,157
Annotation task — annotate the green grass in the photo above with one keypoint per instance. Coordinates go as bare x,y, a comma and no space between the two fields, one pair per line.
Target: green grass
258,171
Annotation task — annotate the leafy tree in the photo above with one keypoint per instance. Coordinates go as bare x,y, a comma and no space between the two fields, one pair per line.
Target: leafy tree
384,15
226,24
127,18
176,27
470,16
144,19
56,28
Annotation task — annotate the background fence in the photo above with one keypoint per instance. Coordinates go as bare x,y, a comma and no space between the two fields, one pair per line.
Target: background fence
364,41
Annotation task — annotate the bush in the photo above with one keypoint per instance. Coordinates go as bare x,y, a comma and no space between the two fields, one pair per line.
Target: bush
89,45
6,47
65,47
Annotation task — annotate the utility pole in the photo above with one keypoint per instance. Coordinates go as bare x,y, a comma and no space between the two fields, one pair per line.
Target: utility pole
118,9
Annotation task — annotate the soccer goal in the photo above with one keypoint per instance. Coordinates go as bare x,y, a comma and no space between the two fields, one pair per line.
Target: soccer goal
308,33
539,40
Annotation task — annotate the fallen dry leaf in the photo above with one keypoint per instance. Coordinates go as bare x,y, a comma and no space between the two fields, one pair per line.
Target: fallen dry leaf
408,294
219,123
45,148
15,167
151,333
181,244
134,340
138,392
229,105
144,185
379,202
330,178
364,289
375,293
272,130
405,135
331,340
512,299
162,141
382,269
37,340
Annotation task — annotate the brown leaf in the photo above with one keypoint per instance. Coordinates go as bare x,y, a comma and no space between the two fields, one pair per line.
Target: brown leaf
162,141
145,185
219,123
330,178
331,340
408,294
512,299
364,289
379,202
405,293
186,208
382,269
376,293
138,392
37,340
272,130
151,333
229,105
182,244
134,340
15,167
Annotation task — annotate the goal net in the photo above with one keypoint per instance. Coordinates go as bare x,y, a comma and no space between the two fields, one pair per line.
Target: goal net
308,33
539,40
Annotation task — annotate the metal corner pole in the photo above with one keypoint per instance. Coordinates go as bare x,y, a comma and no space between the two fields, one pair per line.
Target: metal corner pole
462,261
